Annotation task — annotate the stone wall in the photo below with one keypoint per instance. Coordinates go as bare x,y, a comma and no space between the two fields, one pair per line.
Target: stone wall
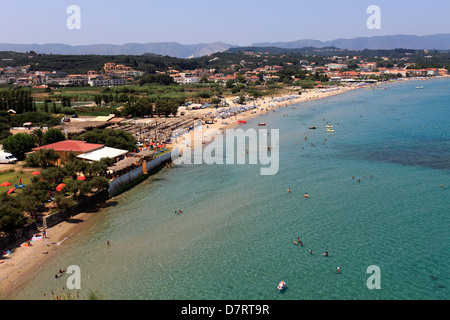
17,237
129,177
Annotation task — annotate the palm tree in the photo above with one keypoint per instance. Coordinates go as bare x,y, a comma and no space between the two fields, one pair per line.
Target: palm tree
38,136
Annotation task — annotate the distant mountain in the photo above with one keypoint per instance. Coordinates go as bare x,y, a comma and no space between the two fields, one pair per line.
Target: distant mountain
437,41
172,49
178,50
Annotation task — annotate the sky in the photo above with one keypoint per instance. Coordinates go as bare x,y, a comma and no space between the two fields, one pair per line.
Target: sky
236,22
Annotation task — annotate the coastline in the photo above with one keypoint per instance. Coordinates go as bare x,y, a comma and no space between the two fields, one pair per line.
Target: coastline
24,262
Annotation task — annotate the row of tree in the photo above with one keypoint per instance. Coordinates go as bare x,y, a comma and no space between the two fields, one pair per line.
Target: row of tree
19,100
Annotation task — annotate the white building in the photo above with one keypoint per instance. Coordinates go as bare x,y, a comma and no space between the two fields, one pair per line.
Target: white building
107,82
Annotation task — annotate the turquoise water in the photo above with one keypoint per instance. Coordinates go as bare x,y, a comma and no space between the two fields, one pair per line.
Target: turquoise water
234,239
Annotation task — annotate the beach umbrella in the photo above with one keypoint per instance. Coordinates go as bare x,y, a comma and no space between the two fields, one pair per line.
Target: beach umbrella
60,186
5,184
11,190
81,178
35,173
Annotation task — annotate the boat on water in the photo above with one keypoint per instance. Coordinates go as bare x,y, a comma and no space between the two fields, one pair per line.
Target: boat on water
419,87
312,127
261,124
281,285
330,130
329,126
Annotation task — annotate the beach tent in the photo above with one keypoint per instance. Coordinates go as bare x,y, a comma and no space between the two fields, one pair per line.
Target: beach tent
81,178
60,186
35,173
11,190
5,184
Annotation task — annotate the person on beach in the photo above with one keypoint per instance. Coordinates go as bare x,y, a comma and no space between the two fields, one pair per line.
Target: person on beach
107,243
44,233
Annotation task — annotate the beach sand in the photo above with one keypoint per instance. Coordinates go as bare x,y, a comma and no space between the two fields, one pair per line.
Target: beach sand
24,262
264,105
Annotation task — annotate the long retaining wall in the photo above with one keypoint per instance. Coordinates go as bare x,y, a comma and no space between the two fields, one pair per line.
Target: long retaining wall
19,236
128,178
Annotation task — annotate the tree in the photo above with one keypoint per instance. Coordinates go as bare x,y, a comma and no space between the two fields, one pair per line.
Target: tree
241,79
52,136
38,135
99,183
98,99
63,203
19,144
42,158
10,217
79,189
109,137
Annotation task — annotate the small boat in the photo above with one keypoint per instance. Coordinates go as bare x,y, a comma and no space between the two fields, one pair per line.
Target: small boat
329,126
420,87
261,124
312,127
330,130
281,285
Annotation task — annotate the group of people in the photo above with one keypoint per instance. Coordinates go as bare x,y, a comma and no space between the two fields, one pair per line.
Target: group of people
298,241
306,195
60,273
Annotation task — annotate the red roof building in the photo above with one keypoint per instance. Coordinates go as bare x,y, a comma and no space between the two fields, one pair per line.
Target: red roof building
63,148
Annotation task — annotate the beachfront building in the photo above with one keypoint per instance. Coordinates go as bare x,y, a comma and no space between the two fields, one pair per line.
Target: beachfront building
104,152
63,148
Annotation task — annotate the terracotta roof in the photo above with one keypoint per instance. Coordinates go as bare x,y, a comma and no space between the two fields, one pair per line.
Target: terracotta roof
71,145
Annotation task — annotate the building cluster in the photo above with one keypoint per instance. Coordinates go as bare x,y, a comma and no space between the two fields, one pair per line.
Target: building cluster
111,75
342,69
338,69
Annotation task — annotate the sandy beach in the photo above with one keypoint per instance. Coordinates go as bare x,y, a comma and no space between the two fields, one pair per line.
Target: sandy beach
23,263
264,105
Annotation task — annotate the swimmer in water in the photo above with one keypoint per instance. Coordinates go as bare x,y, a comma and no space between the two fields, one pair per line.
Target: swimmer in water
311,252
338,270
289,190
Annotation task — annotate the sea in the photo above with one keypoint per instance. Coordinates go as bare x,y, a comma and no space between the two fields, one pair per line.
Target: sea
378,202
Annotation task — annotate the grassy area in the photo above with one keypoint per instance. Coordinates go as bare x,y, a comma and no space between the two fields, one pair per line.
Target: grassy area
14,178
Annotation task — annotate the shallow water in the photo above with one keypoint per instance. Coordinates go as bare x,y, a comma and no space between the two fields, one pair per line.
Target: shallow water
234,239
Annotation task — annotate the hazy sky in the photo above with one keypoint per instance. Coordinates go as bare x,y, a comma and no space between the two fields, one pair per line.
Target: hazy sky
239,22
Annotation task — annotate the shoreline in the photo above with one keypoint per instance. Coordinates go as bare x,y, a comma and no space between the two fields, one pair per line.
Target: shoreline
24,262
